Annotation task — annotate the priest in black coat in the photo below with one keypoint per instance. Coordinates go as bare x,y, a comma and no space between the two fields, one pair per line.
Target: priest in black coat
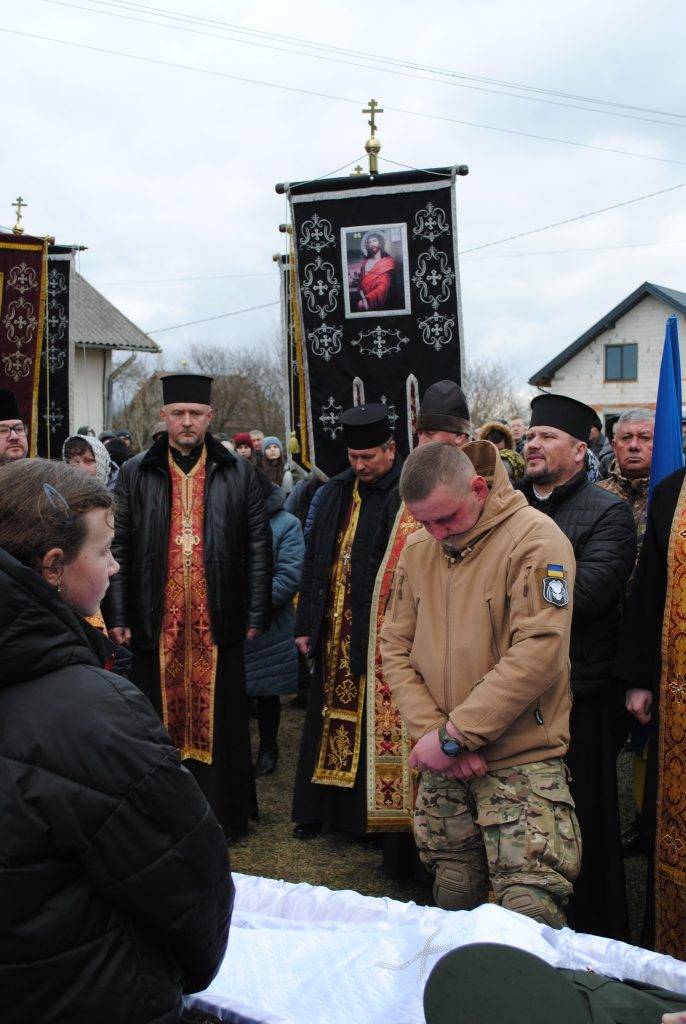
355,512
194,548
601,529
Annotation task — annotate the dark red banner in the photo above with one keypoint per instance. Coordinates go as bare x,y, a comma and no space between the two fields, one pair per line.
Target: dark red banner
23,284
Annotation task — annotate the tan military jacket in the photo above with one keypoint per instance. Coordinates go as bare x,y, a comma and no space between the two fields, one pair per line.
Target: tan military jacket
480,631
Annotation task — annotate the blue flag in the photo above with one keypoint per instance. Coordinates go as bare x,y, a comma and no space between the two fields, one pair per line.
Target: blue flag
667,445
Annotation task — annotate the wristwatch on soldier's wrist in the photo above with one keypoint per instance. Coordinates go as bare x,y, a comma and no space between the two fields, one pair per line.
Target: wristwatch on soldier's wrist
449,745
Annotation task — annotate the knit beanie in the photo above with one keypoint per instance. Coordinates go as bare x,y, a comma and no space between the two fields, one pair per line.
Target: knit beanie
271,440
243,438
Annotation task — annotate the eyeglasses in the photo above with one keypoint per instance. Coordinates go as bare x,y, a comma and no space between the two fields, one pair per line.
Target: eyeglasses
18,428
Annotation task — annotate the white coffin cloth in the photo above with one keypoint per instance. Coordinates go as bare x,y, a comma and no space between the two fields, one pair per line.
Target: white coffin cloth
302,953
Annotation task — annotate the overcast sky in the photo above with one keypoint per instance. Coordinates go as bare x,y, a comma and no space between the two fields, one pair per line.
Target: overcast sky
166,173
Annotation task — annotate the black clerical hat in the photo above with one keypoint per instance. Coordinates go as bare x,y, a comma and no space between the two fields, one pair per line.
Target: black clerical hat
9,410
366,426
489,982
194,388
444,407
564,413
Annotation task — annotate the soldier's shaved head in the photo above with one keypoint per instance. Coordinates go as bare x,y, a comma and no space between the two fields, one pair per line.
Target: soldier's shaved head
435,465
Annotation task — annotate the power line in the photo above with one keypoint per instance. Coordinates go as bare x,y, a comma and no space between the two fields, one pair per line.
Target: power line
464,252
571,220
137,19
500,241
180,280
327,47
207,319
342,99
565,252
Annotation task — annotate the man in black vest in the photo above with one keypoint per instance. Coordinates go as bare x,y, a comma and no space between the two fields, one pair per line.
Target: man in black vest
602,532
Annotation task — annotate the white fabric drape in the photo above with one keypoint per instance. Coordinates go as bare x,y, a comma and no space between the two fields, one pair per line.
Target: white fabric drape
302,954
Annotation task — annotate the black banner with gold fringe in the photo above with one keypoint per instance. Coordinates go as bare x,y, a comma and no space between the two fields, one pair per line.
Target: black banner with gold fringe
23,284
375,285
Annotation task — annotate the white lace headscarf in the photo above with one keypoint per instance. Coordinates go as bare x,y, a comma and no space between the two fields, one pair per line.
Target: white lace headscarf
103,462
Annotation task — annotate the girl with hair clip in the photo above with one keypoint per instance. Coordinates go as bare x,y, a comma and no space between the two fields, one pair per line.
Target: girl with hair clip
115,891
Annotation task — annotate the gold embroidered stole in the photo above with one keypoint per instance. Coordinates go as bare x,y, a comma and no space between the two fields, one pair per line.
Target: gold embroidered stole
670,837
96,620
339,747
188,656
390,788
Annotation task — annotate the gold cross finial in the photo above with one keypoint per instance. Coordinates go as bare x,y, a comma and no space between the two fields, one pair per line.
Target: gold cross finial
373,109
18,204
358,170
372,145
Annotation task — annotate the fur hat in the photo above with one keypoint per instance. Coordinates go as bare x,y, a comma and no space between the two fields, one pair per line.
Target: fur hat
499,427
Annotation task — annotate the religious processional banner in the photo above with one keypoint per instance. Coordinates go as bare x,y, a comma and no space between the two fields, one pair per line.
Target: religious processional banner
55,391
375,295
23,291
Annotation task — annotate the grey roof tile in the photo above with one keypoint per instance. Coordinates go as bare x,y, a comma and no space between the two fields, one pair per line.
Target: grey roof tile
96,323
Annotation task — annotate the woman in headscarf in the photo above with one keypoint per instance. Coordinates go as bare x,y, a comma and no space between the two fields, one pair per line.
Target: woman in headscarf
92,456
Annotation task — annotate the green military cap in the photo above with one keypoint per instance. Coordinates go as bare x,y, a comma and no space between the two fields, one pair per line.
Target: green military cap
487,983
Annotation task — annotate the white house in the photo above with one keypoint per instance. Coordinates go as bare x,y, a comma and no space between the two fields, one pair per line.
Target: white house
98,329
615,365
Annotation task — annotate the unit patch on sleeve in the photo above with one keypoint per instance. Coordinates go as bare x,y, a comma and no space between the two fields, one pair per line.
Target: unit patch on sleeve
554,587
554,583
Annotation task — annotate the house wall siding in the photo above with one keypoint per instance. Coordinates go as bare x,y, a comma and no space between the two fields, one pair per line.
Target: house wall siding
583,377
92,367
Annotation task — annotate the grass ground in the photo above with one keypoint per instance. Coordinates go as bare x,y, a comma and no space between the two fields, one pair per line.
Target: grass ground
343,862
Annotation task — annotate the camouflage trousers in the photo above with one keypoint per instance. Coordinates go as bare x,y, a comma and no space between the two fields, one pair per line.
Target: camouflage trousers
514,831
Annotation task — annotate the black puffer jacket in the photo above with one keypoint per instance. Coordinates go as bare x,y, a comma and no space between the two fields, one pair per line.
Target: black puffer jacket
115,891
238,546
380,502
601,529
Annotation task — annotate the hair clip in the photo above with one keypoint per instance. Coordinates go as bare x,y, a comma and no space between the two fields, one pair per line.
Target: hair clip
59,504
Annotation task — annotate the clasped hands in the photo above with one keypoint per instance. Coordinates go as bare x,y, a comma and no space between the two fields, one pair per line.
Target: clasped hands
427,756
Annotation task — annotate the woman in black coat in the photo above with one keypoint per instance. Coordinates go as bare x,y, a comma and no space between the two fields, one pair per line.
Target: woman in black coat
115,891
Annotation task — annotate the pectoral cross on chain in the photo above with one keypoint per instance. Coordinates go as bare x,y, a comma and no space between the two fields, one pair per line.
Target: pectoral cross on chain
187,540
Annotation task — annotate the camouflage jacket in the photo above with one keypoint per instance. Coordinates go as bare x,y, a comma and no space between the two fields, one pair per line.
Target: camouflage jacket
634,492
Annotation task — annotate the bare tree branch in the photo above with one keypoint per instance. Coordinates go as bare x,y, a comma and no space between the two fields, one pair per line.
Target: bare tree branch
247,393
491,392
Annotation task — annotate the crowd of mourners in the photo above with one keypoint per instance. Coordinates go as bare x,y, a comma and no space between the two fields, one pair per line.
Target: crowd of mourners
507,592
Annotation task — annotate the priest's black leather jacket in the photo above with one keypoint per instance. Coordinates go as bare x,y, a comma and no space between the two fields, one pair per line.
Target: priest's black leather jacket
237,539
115,891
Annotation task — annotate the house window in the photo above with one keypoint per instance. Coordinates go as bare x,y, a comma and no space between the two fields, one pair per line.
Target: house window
621,362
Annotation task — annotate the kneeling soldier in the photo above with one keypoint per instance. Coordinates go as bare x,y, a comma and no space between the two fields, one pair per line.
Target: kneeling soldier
475,649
